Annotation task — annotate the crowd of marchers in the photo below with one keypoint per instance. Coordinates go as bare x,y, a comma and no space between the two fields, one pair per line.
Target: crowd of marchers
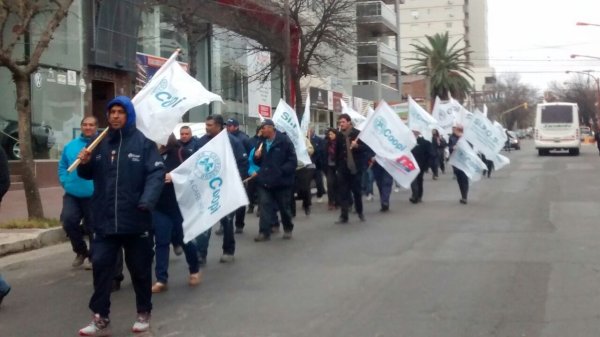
121,196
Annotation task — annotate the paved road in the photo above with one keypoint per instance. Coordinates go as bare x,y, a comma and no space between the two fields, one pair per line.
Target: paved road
521,259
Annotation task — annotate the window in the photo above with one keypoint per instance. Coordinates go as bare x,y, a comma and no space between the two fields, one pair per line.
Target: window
557,114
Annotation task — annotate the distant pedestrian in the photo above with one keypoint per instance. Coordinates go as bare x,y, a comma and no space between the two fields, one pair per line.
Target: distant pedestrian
276,157
331,172
4,175
128,175
424,154
302,188
439,161
318,158
461,177
78,193
351,163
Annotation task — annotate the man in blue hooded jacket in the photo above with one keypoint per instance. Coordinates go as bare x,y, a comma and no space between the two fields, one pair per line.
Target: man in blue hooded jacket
128,175
78,192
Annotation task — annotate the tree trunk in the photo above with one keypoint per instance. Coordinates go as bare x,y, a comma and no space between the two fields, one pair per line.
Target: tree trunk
32,193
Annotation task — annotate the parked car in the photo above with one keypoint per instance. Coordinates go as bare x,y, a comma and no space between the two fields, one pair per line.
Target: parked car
42,138
513,140
585,131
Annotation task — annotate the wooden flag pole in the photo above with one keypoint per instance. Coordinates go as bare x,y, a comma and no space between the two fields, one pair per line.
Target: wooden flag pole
90,148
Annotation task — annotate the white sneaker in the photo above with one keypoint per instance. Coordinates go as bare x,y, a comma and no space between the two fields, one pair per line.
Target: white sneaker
370,197
142,324
98,327
87,265
396,189
320,200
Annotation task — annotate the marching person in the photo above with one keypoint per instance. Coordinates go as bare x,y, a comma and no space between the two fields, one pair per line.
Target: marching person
78,192
128,175
331,147
438,162
461,177
318,158
276,158
351,163
214,125
384,183
304,176
187,141
167,219
233,127
423,153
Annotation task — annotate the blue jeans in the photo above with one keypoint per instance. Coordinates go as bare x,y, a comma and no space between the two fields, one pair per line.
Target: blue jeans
164,229
203,239
384,183
4,287
367,182
271,200
74,209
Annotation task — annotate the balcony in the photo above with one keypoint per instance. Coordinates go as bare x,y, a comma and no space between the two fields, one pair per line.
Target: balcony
375,91
375,18
367,52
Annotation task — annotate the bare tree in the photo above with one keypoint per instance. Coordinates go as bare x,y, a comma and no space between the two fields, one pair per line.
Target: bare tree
303,36
16,18
514,93
578,90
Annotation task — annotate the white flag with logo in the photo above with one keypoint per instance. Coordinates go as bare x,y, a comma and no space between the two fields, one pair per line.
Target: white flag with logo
208,186
305,122
392,141
162,102
420,120
285,120
483,135
466,159
358,120
446,113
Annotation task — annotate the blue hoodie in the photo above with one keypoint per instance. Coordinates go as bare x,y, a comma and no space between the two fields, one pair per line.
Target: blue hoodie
128,175
71,182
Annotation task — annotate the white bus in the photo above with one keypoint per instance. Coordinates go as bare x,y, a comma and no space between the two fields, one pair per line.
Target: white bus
557,128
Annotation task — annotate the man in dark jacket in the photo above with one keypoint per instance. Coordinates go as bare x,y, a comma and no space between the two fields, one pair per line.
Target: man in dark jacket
276,157
352,157
4,174
233,127
319,158
128,175
423,153
214,125
187,141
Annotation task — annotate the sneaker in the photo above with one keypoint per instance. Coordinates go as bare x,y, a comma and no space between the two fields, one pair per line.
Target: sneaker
413,200
178,250
361,217
320,200
239,230
463,201
261,238
226,258
341,220
79,259
142,323
159,287
369,197
195,279
396,189
219,231
87,265
98,327
384,208
287,235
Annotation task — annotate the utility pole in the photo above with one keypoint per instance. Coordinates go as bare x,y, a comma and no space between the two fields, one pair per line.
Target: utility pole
287,54
398,47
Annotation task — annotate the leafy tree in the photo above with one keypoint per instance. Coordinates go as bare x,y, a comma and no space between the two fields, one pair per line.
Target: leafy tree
447,66
16,20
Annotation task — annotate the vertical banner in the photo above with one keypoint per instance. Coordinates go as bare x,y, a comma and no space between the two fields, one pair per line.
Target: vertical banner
259,93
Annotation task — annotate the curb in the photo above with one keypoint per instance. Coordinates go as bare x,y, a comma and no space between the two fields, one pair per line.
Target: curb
45,237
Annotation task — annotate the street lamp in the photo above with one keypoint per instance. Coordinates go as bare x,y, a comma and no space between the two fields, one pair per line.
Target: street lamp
597,80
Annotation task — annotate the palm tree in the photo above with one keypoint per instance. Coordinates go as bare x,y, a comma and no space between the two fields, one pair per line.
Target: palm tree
448,68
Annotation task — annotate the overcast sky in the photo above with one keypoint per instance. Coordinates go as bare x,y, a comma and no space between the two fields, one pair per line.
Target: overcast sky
537,37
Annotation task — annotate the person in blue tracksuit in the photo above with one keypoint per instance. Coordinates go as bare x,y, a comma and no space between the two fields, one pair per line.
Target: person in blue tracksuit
128,175
78,192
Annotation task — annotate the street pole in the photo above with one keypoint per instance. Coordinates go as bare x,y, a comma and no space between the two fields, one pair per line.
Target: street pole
398,47
379,94
287,51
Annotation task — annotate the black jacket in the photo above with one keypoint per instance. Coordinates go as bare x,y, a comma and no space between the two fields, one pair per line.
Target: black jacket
319,156
239,152
423,153
4,174
361,154
167,203
128,175
278,165
243,139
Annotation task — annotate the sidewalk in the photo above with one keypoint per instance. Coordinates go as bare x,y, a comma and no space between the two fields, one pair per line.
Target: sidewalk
14,207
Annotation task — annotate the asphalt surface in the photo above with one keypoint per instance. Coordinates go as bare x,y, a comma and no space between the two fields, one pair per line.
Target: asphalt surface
521,259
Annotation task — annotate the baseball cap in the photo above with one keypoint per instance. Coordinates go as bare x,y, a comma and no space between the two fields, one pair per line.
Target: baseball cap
267,122
232,121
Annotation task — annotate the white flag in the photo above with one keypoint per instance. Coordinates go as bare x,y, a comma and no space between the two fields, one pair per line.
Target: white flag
208,186
446,113
392,141
358,120
483,135
500,161
162,102
466,159
305,122
285,120
420,120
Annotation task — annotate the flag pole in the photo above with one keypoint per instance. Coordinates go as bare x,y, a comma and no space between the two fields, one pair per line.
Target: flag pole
90,148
